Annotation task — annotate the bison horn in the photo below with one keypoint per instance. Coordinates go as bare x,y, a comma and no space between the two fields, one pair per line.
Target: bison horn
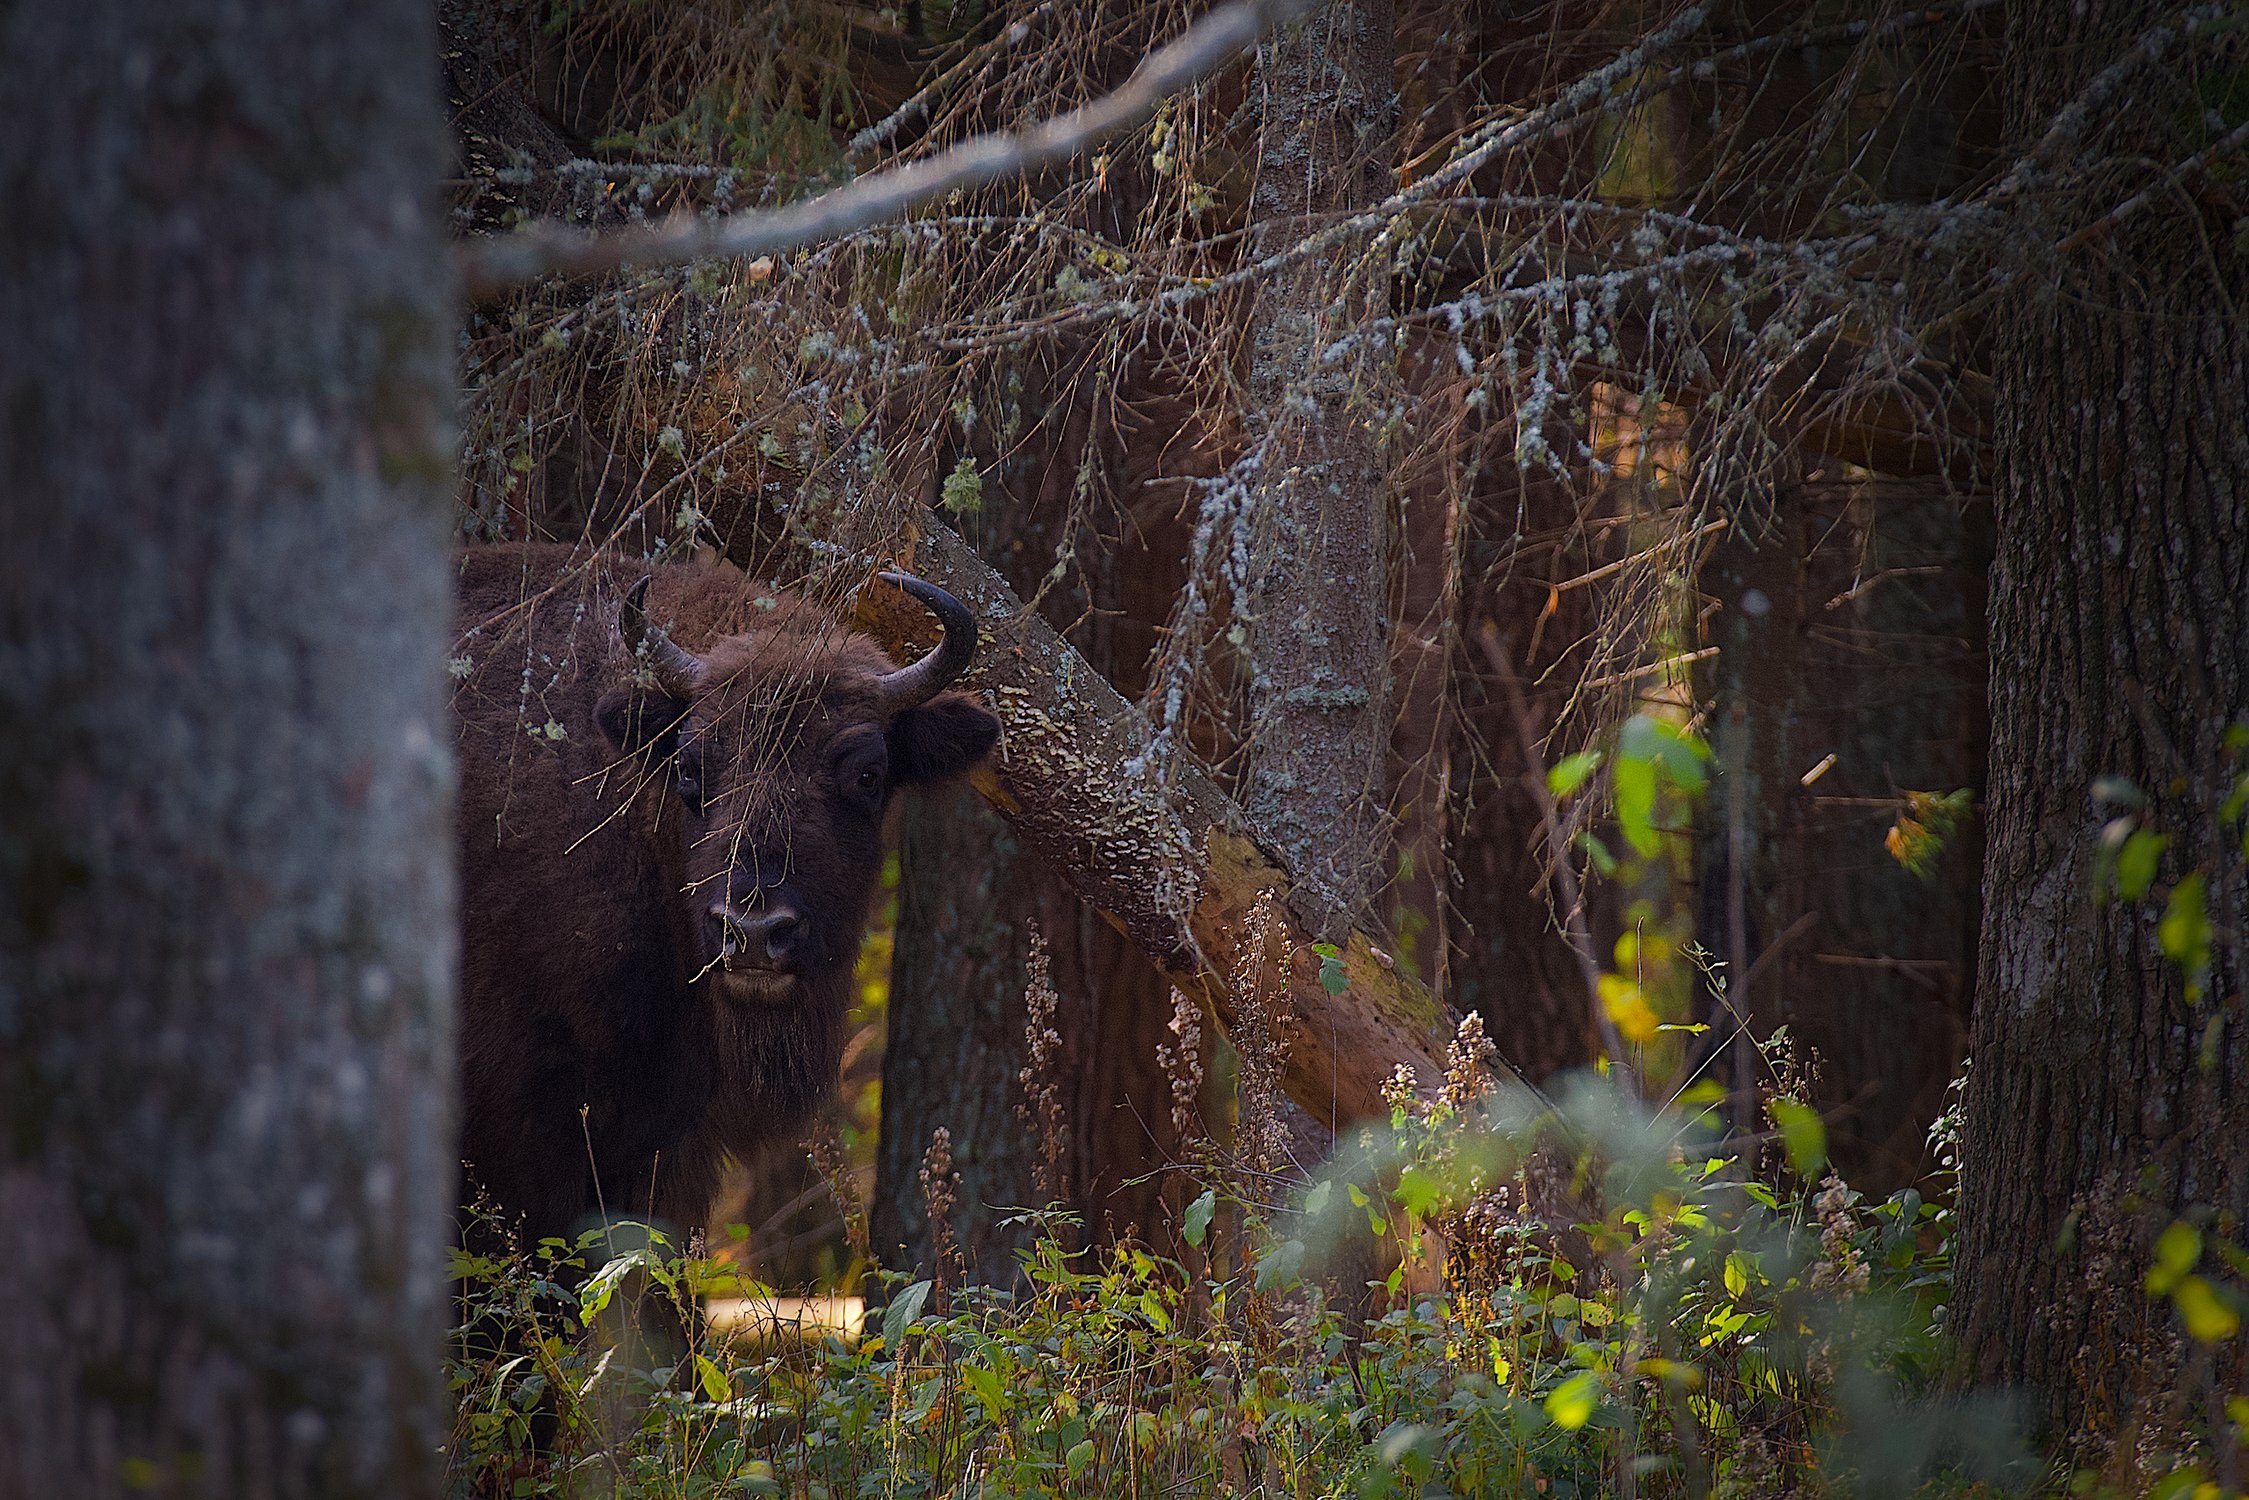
676,671
909,687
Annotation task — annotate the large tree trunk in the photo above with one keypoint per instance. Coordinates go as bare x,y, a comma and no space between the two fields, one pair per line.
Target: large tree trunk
1319,640
2106,1096
226,900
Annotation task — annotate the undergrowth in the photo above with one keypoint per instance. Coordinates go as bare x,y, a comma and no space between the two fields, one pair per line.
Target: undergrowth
1733,1320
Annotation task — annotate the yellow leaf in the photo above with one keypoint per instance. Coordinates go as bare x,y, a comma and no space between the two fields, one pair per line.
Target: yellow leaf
1635,1020
2176,1251
2209,1320
1571,1403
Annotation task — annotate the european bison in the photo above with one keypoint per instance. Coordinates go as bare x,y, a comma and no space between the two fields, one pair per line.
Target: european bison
666,862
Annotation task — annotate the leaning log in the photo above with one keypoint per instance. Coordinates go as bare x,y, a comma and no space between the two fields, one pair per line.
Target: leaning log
1163,856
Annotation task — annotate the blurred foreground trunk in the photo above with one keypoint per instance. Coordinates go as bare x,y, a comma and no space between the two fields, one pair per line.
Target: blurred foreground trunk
226,901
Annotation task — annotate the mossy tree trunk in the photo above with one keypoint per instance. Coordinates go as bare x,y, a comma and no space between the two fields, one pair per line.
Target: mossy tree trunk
226,902
2108,1094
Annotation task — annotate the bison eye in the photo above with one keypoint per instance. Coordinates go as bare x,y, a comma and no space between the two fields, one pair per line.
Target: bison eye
690,778
862,769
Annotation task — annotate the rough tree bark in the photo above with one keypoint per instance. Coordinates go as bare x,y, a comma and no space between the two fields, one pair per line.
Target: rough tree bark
2103,1100
1318,637
226,909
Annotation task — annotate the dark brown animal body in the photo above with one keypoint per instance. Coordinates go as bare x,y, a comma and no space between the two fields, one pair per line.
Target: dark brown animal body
669,838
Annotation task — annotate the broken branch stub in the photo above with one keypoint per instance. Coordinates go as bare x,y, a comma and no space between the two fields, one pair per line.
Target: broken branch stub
1171,867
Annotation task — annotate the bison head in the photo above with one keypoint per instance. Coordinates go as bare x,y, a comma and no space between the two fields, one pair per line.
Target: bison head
769,760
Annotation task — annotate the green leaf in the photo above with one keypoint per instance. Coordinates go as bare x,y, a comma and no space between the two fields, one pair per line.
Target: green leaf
712,1379
2236,805
1277,1267
2136,864
989,1390
1199,1212
1635,782
2176,1251
1316,1201
595,1294
1078,1457
1569,773
2208,1318
1739,1269
1333,977
903,1309
2185,930
1604,863
1410,1448
2178,1484
1418,1190
1571,1404
1803,1135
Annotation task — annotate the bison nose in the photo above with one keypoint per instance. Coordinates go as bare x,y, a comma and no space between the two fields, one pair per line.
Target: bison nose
768,938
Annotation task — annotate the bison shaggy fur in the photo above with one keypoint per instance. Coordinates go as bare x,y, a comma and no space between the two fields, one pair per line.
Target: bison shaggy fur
664,878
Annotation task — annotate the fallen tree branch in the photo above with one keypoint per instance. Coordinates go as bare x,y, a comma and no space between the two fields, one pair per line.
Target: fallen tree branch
1173,869
492,265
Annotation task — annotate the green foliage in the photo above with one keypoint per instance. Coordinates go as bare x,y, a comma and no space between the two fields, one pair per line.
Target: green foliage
1659,770
2128,862
962,494
1924,826
1708,1331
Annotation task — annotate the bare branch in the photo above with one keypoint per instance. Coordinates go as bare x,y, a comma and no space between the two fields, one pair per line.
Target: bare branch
491,265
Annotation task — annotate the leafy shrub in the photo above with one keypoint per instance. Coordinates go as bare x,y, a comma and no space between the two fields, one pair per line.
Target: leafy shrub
1712,1328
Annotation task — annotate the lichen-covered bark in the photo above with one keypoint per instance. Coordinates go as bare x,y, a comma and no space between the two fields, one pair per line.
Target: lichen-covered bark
1173,867
226,915
1318,636
2102,1099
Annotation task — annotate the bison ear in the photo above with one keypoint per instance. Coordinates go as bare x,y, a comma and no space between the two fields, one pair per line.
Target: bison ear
942,738
639,719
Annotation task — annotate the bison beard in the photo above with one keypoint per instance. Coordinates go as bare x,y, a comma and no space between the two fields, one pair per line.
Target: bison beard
668,844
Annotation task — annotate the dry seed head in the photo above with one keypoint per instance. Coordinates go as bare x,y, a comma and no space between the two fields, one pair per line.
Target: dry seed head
1467,1064
1041,1104
1181,1060
826,1150
939,1188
